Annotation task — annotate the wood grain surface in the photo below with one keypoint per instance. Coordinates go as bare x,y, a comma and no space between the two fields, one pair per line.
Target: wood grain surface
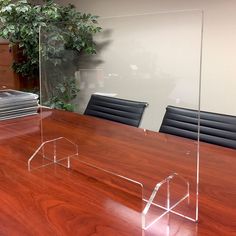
84,201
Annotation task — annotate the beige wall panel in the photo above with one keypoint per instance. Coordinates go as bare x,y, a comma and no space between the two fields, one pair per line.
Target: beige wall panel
219,52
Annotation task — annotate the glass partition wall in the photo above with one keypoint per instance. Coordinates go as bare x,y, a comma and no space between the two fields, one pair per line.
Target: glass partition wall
155,58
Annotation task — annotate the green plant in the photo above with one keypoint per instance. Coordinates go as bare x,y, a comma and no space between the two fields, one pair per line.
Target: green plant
20,23
64,93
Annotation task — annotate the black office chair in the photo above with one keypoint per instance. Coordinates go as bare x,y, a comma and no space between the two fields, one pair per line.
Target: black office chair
215,128
115,109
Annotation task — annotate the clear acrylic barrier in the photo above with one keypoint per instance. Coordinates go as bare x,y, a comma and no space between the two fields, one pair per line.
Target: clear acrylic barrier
166,195
154,58
59,151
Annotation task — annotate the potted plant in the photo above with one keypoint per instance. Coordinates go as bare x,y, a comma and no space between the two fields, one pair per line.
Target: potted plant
20,22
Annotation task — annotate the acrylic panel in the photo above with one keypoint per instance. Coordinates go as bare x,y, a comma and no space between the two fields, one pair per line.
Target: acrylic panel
154,58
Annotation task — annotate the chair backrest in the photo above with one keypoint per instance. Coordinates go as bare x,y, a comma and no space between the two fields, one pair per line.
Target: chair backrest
115,109
215,128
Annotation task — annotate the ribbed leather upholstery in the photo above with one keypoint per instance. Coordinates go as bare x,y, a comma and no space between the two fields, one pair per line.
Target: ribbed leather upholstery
115,109
214,128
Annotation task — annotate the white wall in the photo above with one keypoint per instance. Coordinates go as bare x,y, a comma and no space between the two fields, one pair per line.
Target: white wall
219,58
150,57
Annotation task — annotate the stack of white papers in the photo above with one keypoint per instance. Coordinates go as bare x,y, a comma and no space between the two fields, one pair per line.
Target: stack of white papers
15,104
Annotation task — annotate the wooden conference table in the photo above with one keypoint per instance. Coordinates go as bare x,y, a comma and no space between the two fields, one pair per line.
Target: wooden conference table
57,201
